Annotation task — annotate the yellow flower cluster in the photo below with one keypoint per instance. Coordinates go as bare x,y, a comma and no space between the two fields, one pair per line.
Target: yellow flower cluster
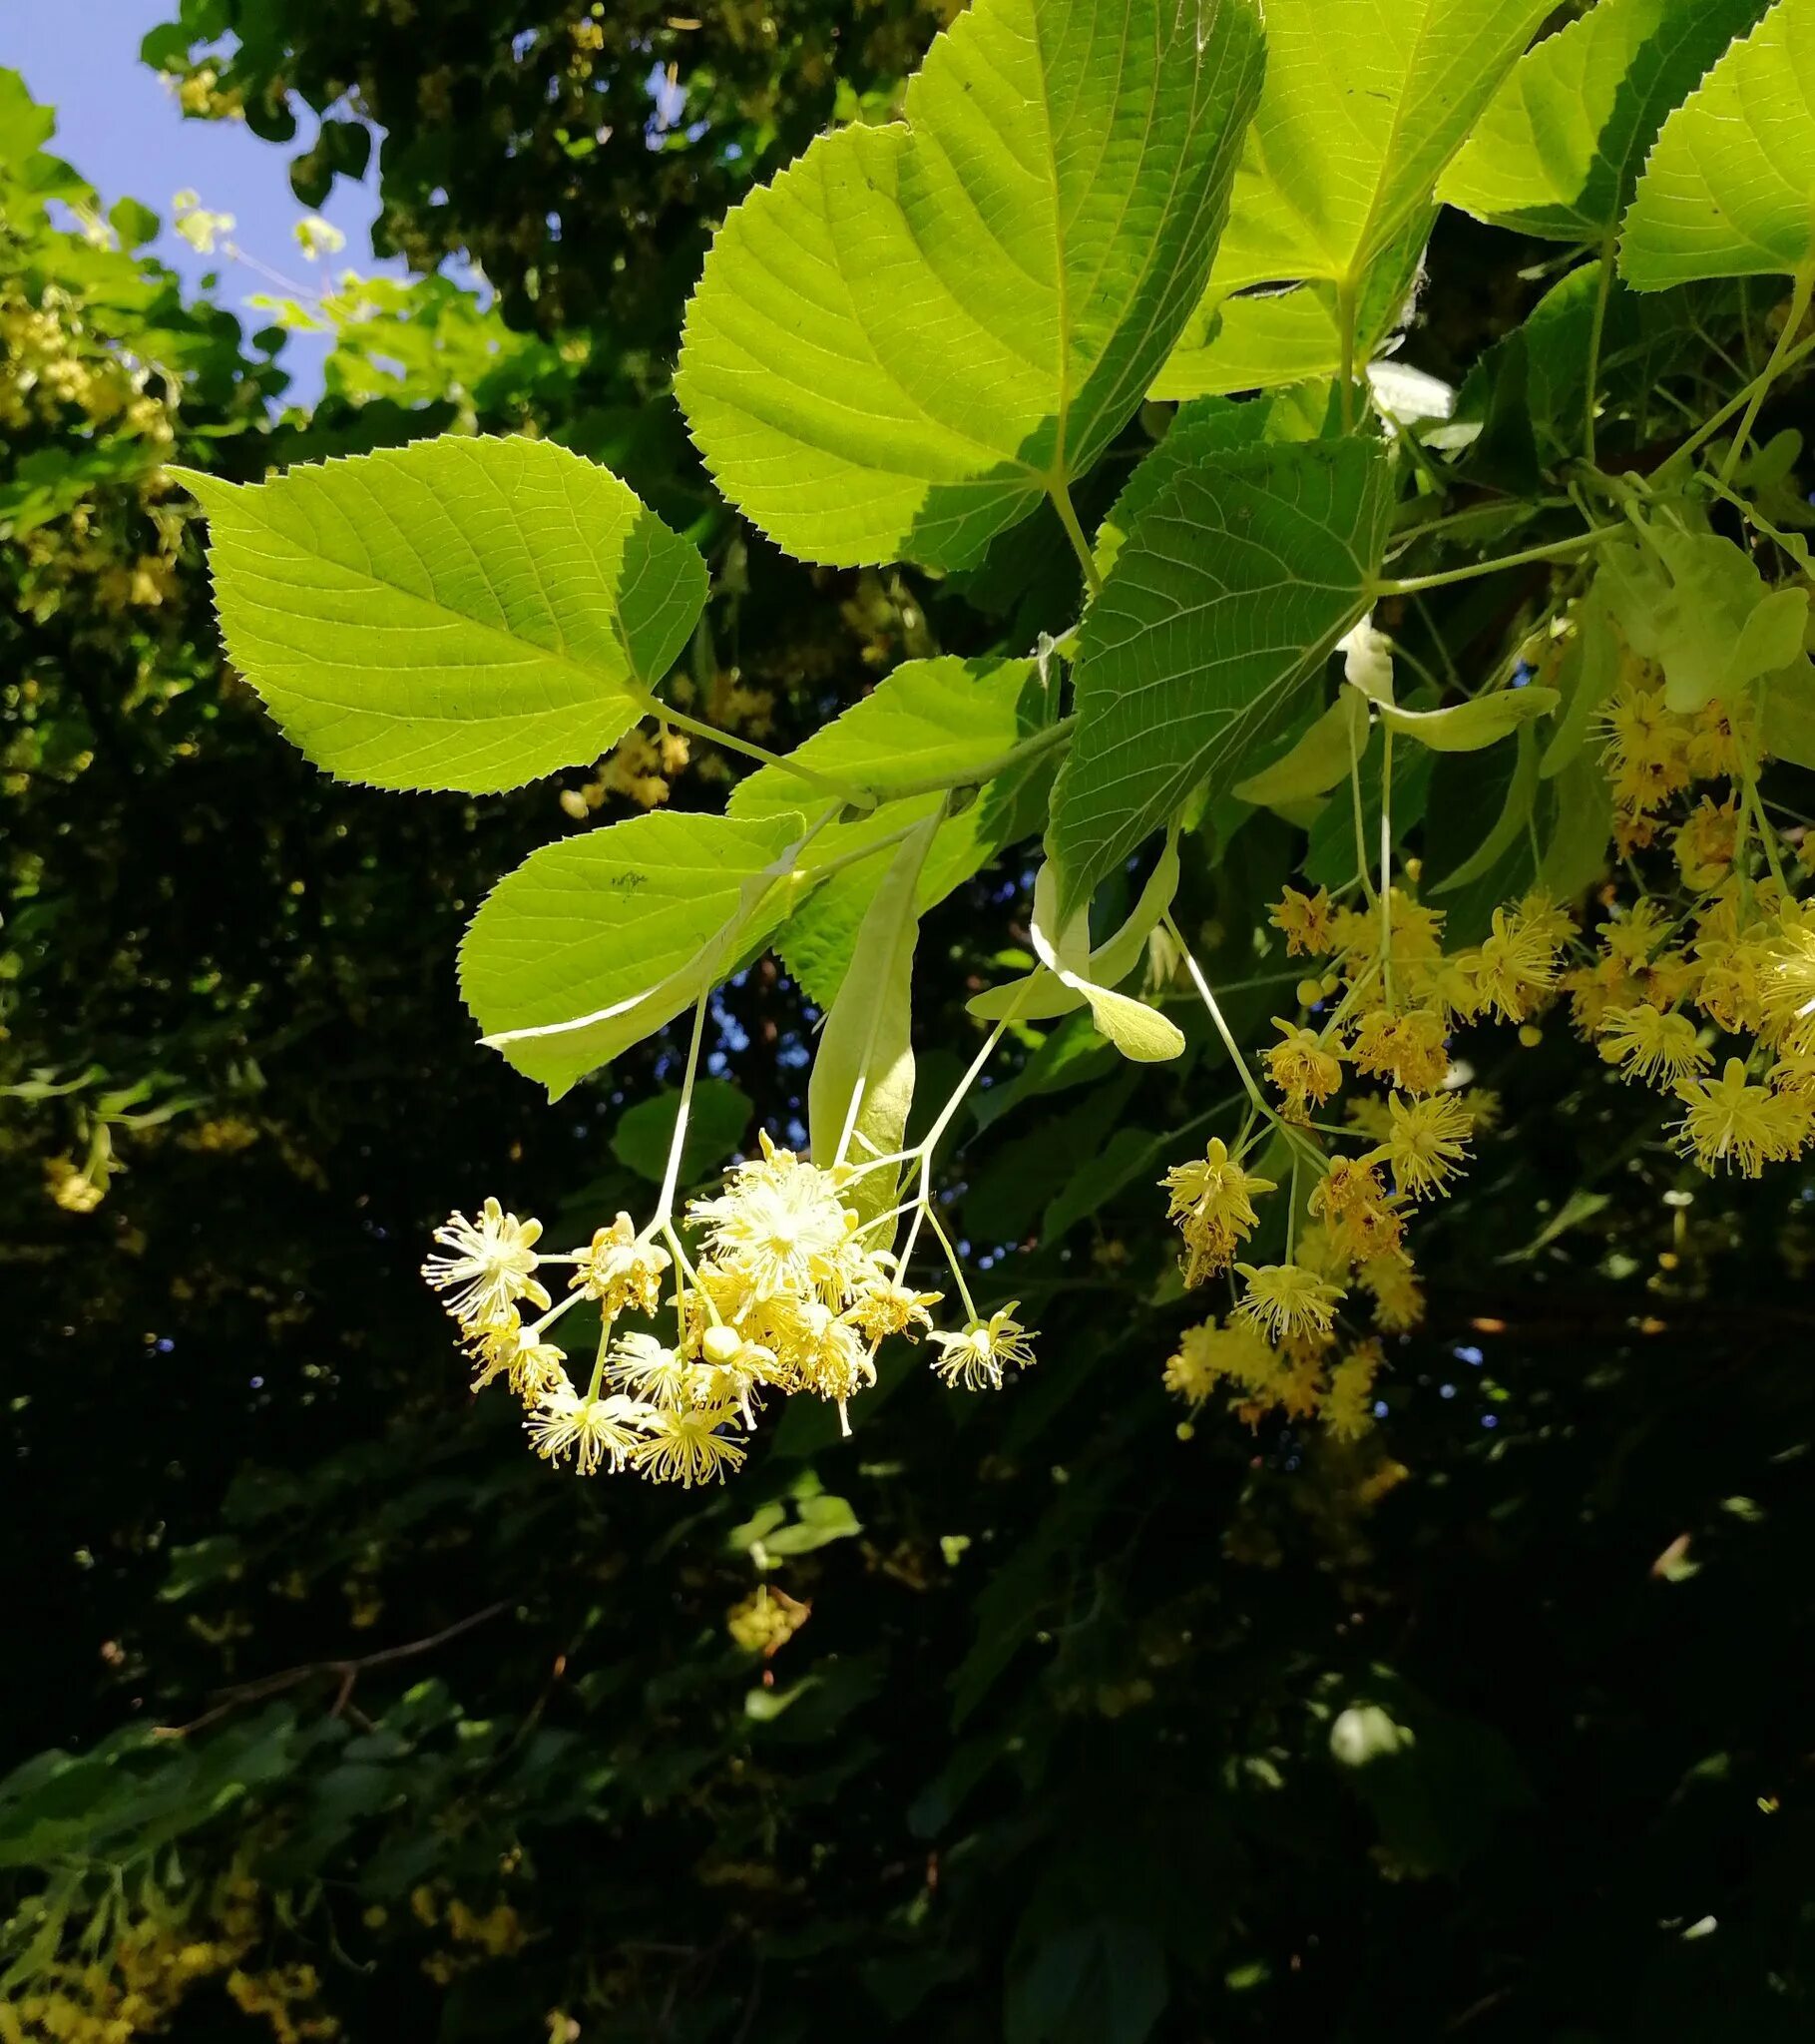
1302,1377
1716,946
787,1296
135,1984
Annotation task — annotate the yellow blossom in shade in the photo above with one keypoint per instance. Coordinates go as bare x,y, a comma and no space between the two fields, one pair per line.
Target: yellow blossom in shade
1722,740
765,1621
1318,1250
1368,1115
1594,989
1286,1299
1213,1200
1305,921
782,1222
1546,919
1786,988
1411,1048
1298,1388
1794,1075
1445,986
1427,1142
976,1360
686,1445
1705,842
1645,746
1669,977
1398,1296
1739,1126
1633,936
1514,966
1482,1104
1348,1404
1209,1354
1354,1206
490,1267
1658,1049
620,1271
1305,1070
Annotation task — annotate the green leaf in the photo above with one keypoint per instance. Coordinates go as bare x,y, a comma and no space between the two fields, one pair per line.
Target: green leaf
133,223
1788,713
1319,760
1696,604
1260,339
595,942
1589,671
899,343
1729,188
1130,1154
1229,596
1365,103
1581,825
717,1117
1560,148
944,720
1042,995
463,614
863,1072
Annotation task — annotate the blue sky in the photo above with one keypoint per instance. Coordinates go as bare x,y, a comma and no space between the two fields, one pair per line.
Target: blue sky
118,125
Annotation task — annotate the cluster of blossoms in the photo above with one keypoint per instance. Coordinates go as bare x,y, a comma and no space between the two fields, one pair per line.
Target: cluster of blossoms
1395,998
1703,982
788,1296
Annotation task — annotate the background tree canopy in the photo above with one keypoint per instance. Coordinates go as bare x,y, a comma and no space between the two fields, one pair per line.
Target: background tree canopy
1042,1719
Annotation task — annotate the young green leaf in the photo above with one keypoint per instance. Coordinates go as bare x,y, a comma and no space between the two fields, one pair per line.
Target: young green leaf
900,346
1230,594
595,941
1560,148
863,1072
459,613
1787,713
1729,188
717,1117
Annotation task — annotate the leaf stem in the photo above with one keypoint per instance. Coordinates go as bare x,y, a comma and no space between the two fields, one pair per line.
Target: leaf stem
1346,316
1558,550
855,797
1596,327
1799,305
671,1177
1061,493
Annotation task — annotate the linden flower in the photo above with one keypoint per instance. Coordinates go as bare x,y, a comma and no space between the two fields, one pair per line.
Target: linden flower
1348,1404
620,1271
643,1366
1411,1050
1737,1125
684,1445
1398,1296
1354,1206
975,1360
783,1222
1212,1199
1305,921
505,1345
1706,841
1514,966
592,1431
1305,1070
1209,1353
1282,1300
1787,991
491,1263
1427,1142
1659,1049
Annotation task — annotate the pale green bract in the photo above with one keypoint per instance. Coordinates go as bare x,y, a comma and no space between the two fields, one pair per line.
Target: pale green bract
1232,590
863,1086
917,331
943,719
1729,188
456,613
1560,148
595,941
